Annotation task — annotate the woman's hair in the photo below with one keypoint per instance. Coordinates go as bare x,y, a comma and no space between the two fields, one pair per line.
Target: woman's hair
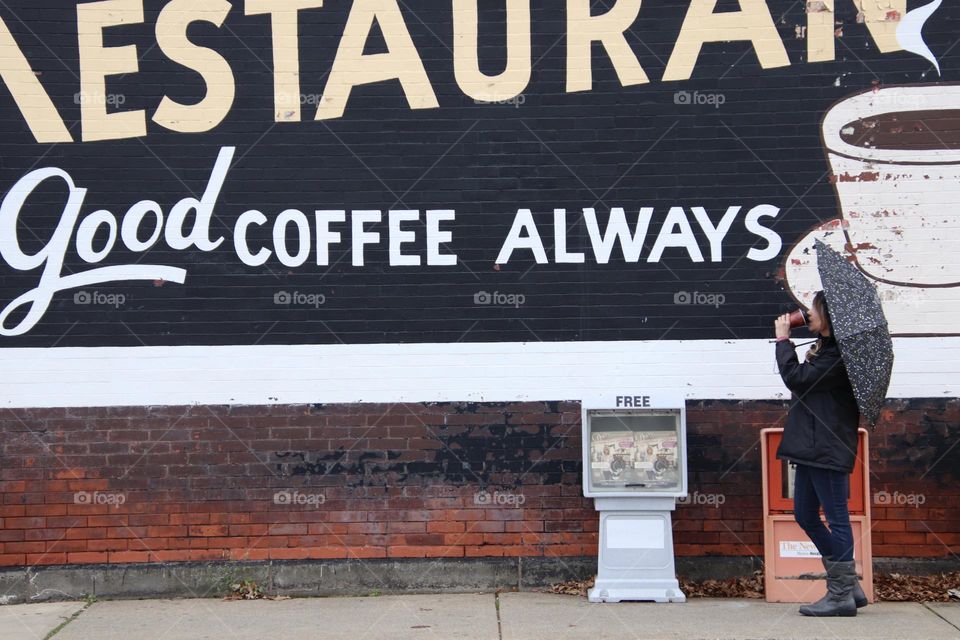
820,304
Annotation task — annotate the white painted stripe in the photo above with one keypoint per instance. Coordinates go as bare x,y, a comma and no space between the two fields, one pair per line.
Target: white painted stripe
702,369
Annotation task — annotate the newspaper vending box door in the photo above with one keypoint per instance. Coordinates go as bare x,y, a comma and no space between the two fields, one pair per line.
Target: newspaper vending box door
793,567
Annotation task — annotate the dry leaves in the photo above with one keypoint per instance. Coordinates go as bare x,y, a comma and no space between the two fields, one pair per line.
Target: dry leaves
572,587
745,587
895,587
250,590
742,587
234,596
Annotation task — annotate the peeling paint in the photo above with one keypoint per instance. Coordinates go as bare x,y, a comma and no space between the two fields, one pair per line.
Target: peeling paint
500,443
863,176
833,224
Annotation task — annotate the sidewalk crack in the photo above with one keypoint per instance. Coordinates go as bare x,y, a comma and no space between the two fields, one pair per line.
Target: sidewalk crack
496,604
76,614
923,604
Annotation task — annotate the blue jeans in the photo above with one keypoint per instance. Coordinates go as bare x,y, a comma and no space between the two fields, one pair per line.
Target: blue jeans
815,487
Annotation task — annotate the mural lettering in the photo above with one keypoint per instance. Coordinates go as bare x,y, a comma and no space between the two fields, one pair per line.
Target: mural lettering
292,171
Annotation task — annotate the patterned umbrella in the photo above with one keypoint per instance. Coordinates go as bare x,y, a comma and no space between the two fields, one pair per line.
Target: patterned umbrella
860,328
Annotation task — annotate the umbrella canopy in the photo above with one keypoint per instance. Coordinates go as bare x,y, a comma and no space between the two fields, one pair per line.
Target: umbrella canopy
860,328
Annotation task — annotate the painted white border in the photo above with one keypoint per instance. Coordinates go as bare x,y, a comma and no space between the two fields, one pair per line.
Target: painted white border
700,369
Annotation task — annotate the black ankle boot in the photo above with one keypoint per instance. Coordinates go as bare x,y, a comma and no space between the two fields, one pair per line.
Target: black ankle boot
859,597
841,579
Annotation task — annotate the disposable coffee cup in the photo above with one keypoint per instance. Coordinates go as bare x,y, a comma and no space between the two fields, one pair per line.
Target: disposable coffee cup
798,318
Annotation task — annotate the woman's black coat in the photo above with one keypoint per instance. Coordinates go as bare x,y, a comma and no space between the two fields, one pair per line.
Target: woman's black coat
821,428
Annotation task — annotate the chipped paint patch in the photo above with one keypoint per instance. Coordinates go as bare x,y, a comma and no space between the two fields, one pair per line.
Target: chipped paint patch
833,224
863,176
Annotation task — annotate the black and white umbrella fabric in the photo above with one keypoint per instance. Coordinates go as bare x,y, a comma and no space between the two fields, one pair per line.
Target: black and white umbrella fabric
860,329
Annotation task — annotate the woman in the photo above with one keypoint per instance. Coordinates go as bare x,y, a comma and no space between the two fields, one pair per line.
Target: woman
820,438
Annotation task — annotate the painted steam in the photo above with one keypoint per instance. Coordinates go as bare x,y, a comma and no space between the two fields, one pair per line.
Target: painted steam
909,32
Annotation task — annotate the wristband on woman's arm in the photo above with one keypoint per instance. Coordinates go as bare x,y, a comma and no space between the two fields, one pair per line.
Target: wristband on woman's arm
782,338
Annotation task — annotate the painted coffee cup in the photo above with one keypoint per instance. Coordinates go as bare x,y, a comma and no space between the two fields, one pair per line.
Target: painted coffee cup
894,154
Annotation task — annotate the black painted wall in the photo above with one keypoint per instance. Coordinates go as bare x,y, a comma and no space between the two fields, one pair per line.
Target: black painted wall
614,146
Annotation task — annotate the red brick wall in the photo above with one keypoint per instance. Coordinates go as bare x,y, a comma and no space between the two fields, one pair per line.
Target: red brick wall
146,484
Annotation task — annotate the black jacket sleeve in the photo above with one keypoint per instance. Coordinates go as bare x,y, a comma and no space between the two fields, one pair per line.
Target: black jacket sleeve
826,371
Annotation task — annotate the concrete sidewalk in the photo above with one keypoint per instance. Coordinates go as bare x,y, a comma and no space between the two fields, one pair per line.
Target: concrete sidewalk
513,616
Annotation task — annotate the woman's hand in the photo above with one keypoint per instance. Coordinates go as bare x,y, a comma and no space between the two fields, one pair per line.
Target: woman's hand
782,326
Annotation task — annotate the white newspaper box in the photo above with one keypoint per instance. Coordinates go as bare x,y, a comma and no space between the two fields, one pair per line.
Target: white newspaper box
635,467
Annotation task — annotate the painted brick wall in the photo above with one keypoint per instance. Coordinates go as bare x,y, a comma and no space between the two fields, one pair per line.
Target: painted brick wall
201,447
720,137
156,484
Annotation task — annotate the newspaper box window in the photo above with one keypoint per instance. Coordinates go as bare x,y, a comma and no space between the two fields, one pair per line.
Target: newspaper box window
635,468
634,450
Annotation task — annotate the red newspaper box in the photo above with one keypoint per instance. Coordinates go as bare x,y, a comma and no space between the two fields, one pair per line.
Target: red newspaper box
793,571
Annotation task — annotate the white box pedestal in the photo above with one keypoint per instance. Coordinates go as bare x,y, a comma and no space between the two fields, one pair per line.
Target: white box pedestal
636,551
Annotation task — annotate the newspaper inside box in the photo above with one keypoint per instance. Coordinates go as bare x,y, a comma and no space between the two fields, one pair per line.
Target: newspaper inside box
635,451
